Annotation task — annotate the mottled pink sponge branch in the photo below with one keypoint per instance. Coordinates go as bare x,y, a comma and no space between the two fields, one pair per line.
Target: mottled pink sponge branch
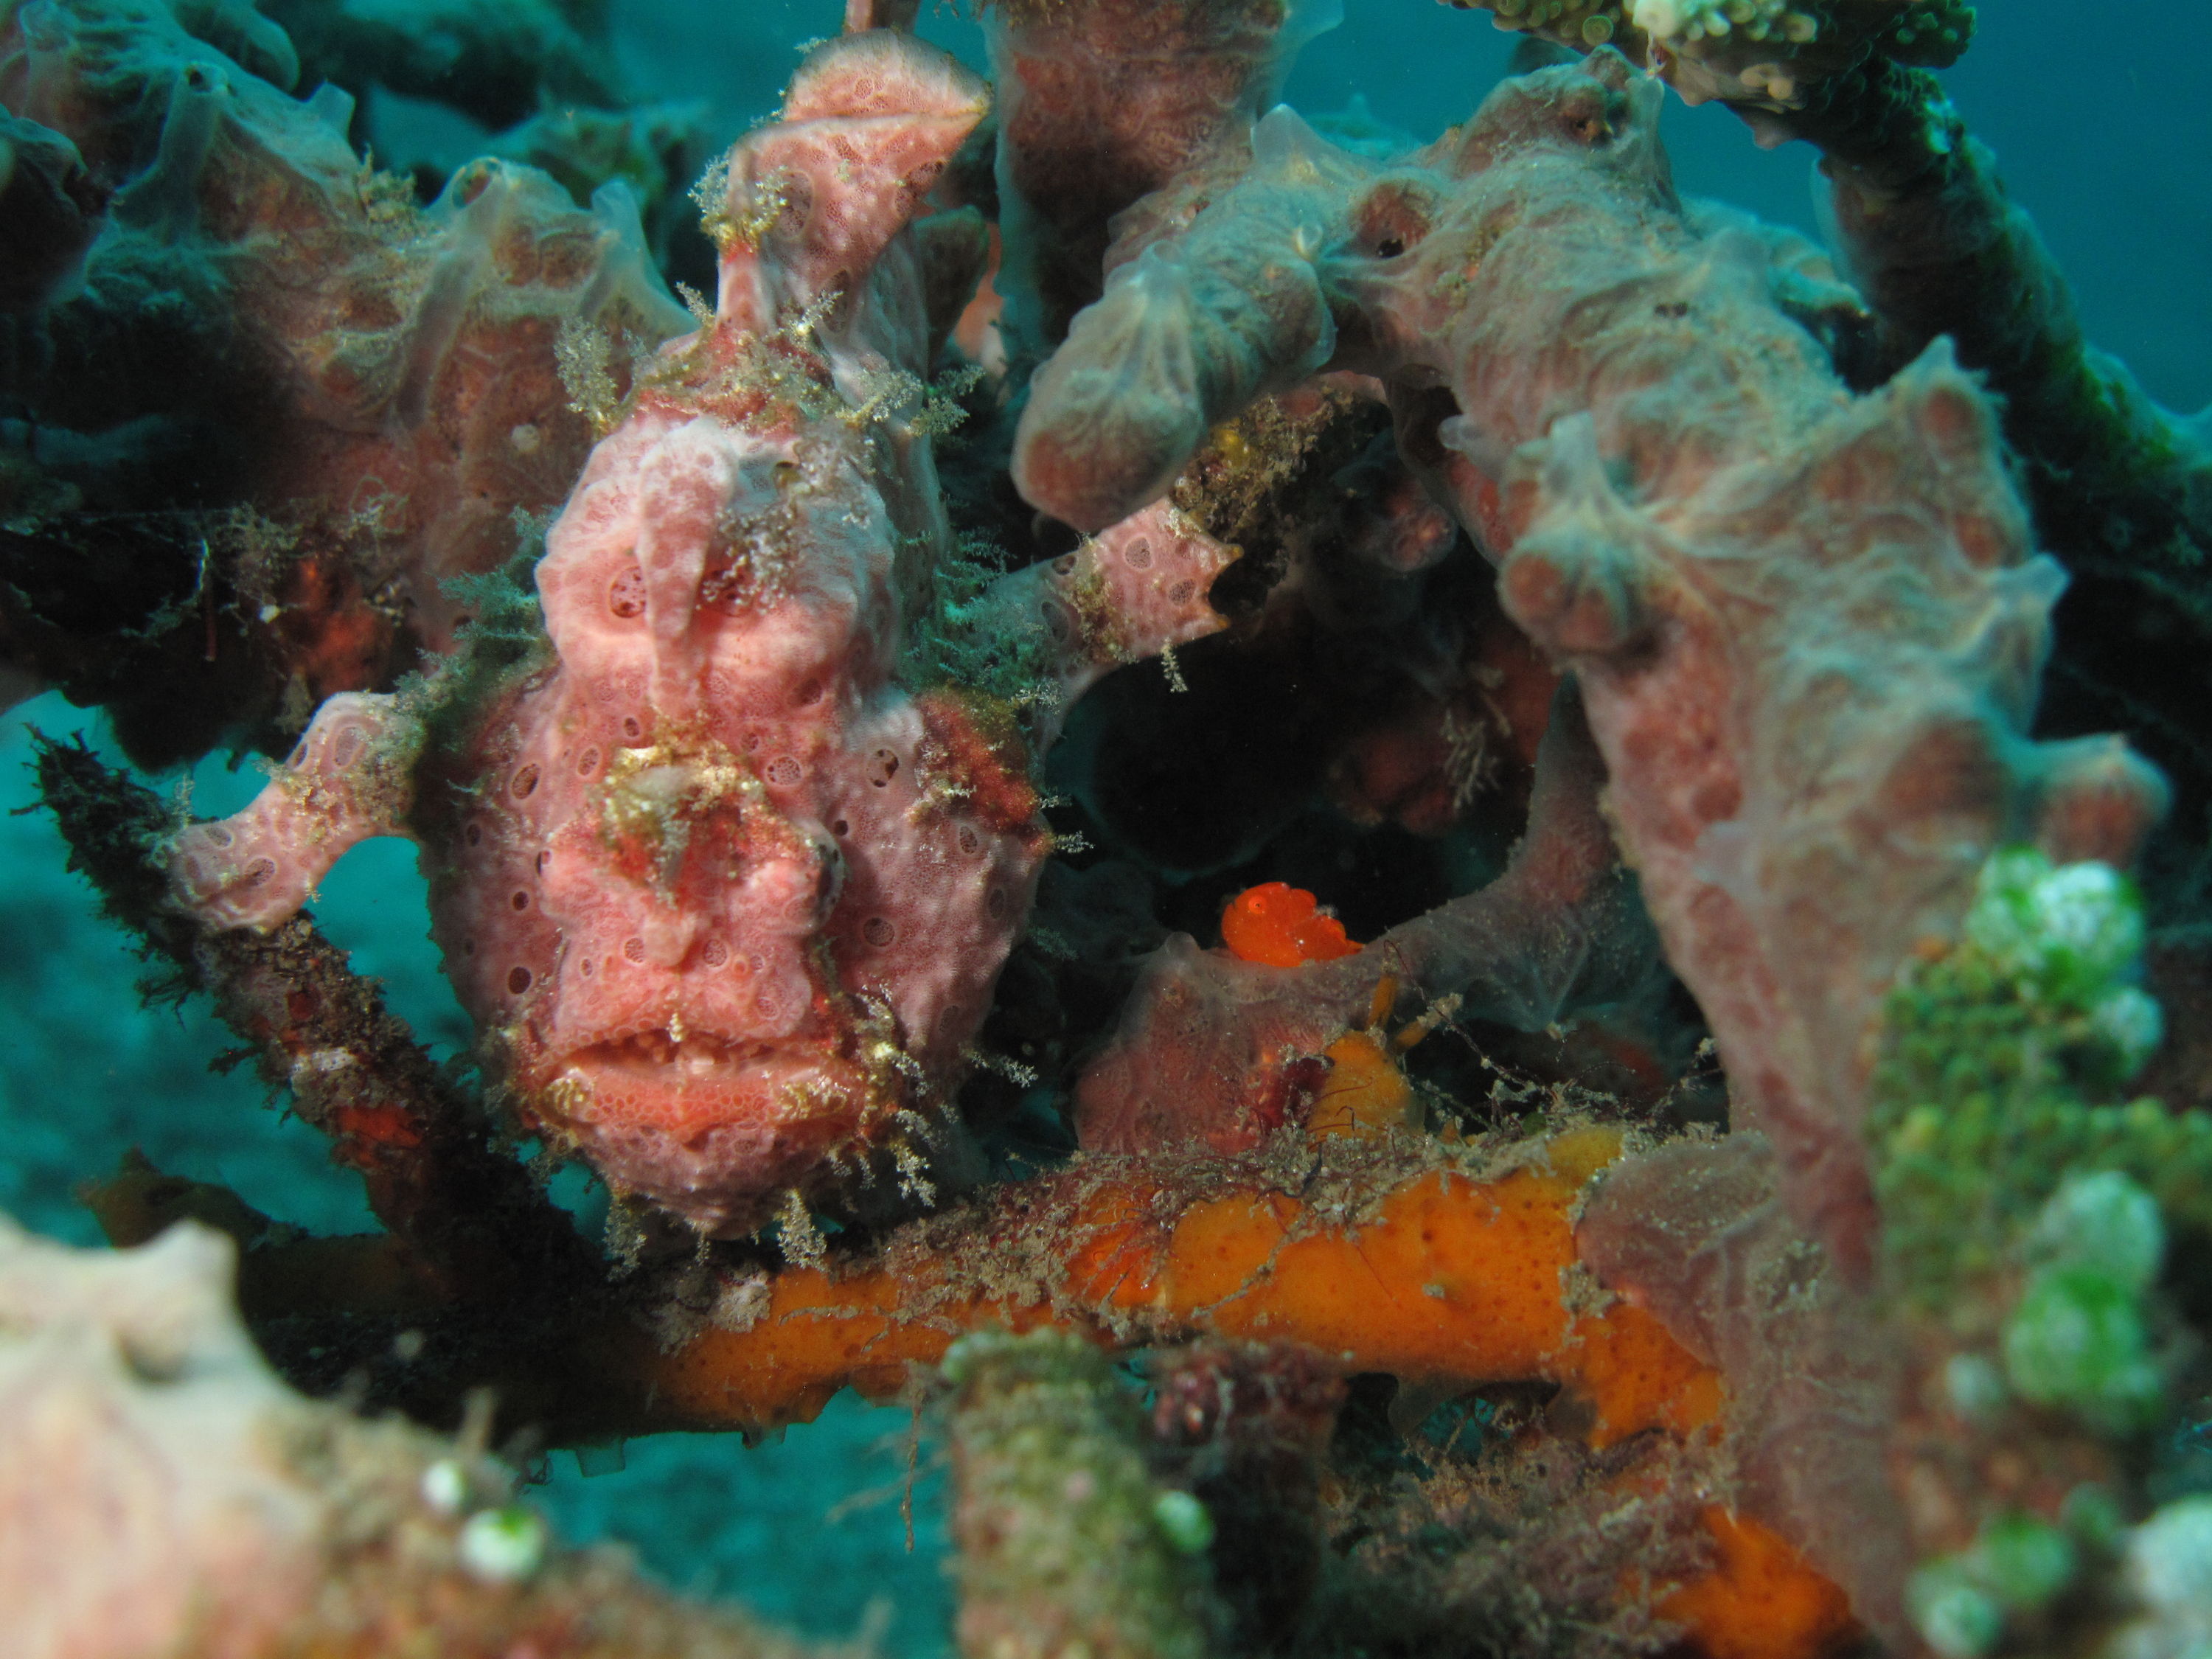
350,778
1106,104
471,1222
1215,1052
1807,626
727,900
1189,332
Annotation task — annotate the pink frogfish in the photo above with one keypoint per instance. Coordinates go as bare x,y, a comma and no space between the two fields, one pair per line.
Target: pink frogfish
726,897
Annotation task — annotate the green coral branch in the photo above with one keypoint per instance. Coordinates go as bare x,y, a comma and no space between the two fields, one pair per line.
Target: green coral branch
2001,1059
1068,1545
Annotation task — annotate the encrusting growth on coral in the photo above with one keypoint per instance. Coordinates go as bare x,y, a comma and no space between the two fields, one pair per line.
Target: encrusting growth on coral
2028,1209
264,1523
1680,1145
1066,1544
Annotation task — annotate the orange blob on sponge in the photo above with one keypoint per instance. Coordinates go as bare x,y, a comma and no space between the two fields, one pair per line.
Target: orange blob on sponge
1365,1093
1761,1600
1281,926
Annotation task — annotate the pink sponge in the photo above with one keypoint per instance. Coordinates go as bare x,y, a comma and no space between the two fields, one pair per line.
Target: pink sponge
1806,625
727,901
349,778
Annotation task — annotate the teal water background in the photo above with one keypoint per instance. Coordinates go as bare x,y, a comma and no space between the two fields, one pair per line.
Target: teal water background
2096,118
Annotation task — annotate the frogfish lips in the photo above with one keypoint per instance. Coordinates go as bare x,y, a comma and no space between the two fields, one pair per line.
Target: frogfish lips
716,1130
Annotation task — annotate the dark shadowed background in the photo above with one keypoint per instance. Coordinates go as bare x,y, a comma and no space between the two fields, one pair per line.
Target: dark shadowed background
2098,132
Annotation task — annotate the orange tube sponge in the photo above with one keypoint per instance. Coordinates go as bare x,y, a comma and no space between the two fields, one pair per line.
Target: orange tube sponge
1435,1273
1435,1270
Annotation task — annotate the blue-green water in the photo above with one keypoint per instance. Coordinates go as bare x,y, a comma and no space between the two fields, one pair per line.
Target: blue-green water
805,1530
2092,115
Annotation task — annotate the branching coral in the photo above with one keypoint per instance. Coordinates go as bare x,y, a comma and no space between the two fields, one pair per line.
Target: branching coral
1804,628
733,802
1756,54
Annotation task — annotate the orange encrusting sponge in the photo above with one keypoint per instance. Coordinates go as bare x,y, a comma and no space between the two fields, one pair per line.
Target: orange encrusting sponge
1366,1091
1282,927
1761,1600
1444,1278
